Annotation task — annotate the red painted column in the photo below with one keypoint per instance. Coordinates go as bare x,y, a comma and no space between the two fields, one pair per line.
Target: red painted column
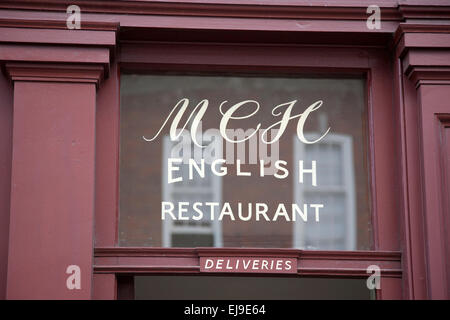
425,81
107,177
390,289
52,188
104,287
435,123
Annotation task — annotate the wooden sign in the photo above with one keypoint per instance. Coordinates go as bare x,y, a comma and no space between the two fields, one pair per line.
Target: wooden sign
248,264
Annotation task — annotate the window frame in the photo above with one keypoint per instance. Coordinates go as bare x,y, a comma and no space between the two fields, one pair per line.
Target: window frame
372,62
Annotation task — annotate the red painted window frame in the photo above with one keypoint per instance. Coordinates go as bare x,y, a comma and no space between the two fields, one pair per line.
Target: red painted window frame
37,46
204,56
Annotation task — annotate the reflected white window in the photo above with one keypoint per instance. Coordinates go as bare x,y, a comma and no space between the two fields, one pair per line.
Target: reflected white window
335,189
192,233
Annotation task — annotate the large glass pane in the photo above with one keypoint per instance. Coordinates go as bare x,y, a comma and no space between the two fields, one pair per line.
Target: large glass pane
248,288
263,161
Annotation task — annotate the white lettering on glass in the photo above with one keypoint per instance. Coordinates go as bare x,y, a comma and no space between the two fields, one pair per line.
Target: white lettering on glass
183,104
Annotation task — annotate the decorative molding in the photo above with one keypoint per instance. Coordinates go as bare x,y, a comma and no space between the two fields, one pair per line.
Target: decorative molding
55,73
58,24
412,35
426,11
127,269
342,10
348,272
32,36
247,252
421,28
429,75
424,50
43,50
274,10
187,260
143,252
352,255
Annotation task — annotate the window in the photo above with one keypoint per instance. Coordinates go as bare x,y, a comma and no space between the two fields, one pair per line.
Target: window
191,233
248,288
335,188
357,95
253,197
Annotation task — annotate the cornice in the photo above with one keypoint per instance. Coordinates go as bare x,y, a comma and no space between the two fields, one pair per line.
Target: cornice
424,50
43,50
413,21
349,10
55,72
426,11
57,24
428,75
417,28
262,9
394,10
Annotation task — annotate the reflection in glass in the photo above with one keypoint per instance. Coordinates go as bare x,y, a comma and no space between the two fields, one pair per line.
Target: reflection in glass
340,159
207,188
335,189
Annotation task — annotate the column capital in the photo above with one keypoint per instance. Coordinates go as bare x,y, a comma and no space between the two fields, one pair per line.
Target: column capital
55,72
424,50
33,50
